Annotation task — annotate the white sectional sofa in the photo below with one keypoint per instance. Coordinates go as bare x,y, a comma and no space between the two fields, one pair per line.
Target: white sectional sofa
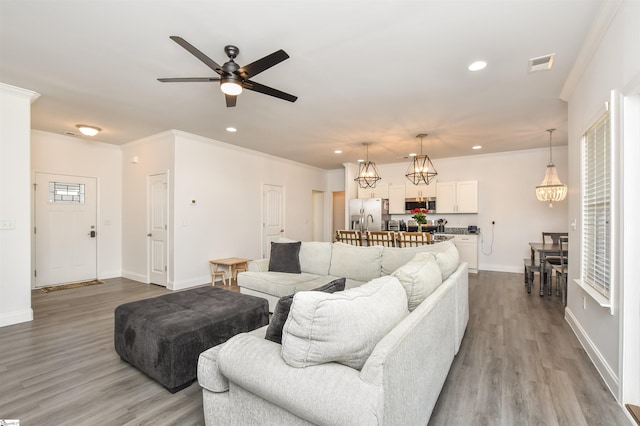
322,262
413,317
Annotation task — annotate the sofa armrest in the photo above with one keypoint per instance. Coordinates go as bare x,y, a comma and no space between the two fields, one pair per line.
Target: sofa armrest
209,375
259,265
323,394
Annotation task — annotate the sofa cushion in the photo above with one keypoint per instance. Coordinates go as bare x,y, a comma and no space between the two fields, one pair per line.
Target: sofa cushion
395,257
315,256
355,262
419,277
342,327
285,257
448,259
277,284
281,311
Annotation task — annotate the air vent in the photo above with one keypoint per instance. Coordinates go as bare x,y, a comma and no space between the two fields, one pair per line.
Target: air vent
541,63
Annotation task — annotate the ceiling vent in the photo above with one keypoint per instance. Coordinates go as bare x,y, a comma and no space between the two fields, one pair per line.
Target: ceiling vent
541,63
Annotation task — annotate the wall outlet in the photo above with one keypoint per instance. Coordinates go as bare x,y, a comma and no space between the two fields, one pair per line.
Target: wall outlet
7,224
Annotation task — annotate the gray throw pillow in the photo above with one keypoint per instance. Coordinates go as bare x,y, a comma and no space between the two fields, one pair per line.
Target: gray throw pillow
285,257
281,311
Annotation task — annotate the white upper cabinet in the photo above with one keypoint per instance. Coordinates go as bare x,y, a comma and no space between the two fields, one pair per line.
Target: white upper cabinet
380,191
457,197
420,191
396,199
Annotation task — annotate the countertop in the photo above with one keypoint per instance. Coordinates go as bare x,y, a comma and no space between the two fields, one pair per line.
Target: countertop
458,231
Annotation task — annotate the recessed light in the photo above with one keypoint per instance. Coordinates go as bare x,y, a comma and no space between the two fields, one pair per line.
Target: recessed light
231,129
337,151
360,161
477,66
413,154
88,130
476,147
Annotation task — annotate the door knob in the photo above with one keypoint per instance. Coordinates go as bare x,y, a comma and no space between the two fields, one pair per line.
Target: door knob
149,234
92,234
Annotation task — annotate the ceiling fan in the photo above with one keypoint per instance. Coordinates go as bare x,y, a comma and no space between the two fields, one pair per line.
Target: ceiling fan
234,78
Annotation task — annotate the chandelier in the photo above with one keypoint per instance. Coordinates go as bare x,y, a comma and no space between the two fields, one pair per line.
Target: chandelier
421,168
551,189
367,173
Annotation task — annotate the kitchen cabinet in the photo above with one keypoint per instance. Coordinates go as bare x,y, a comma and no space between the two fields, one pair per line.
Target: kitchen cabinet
457,197
420,191
396,199
380,191
467,246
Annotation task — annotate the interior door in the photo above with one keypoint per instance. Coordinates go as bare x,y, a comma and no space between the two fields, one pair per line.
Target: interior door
158,229
65,229
272,216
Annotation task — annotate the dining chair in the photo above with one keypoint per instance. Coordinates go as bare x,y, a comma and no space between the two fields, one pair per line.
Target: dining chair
349,237
553,237
381,238
561,269
413,239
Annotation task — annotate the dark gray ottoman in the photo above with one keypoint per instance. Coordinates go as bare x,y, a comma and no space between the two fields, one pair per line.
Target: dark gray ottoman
163,336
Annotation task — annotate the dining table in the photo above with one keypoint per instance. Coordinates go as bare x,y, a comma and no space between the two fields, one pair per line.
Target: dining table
544,250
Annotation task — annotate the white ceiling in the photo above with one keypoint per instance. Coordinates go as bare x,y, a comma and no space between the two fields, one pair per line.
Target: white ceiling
374,71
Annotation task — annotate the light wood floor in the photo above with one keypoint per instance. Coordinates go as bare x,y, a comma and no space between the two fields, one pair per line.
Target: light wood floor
519,364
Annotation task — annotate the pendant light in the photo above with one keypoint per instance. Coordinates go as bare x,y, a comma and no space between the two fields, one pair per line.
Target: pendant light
551,189
421,169
367,173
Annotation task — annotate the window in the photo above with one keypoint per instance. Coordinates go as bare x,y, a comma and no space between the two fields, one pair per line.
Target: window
66,193
596,207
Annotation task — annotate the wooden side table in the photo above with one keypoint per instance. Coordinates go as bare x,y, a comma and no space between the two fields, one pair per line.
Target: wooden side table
234,265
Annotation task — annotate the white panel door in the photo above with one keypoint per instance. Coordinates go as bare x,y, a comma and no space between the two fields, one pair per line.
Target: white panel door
158,229
65,229
272,216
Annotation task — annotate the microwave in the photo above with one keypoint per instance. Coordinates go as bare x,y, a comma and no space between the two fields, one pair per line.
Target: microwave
419,203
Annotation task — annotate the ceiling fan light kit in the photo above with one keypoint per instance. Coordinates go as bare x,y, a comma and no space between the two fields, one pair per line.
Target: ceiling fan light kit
233,78
551,189
368,175
421,169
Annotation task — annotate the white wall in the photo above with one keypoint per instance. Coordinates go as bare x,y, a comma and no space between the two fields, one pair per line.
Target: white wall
614,63
226,219
506,191
15,205
66,155
155,154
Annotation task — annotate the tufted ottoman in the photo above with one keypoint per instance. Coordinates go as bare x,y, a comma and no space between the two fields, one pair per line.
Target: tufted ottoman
163,336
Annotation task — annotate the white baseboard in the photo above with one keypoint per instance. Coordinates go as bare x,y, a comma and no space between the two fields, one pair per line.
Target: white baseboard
109,274
135,277
502,268
606,372
16,317
193,282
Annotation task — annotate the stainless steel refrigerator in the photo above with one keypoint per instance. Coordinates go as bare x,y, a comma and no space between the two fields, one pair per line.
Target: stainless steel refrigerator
369,214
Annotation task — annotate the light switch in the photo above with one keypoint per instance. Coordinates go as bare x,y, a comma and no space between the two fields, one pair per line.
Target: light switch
574,224
7,224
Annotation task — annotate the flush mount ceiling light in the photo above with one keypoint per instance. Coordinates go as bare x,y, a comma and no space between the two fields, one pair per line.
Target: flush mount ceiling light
231,129
421,168
88,130
551,189
367,173
477,66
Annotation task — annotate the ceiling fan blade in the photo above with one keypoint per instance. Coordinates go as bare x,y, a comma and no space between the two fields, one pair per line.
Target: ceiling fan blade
188,79
260,65
231,100
261,88
198,54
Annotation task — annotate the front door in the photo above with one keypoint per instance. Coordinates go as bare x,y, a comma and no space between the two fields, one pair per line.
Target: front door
65,229
272,216
158,229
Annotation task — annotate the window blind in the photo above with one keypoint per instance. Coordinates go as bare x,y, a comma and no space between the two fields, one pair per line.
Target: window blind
596,207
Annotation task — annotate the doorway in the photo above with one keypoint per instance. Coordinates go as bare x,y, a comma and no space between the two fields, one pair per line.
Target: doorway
65,229
338,212
157,209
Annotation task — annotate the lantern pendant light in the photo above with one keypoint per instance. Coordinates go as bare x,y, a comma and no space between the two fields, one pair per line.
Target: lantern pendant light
367,173
421,169
551,189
